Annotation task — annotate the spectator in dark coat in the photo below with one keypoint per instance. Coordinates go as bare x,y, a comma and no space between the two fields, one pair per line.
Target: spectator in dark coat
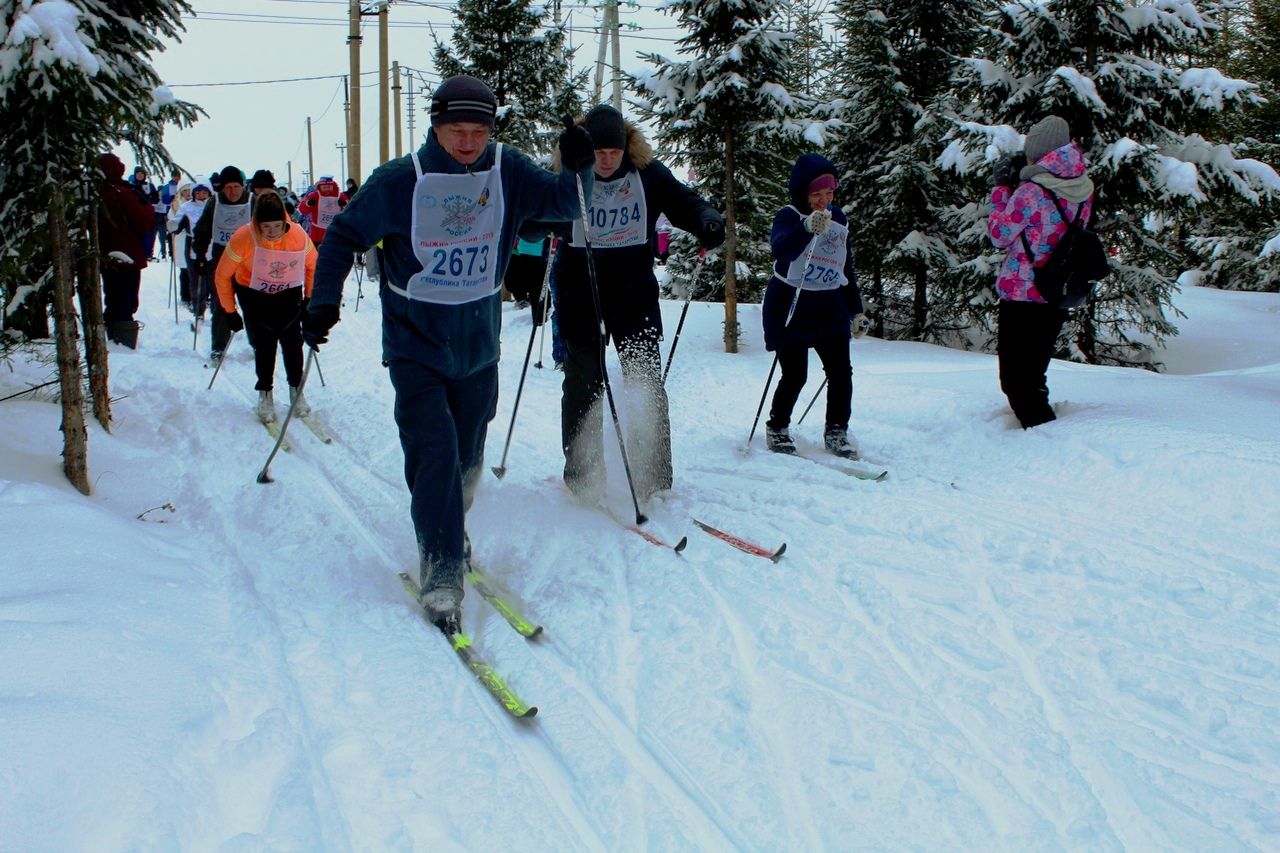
812,301
632,188
124,218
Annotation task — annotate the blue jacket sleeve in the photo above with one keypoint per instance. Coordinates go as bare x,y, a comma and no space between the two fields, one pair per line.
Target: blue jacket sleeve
788,239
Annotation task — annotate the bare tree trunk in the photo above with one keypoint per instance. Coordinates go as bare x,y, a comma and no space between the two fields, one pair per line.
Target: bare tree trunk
730,251
877,296
88,277
75,440
920,302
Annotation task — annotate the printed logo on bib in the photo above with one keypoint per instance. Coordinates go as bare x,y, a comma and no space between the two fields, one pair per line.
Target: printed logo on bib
275,270
462,211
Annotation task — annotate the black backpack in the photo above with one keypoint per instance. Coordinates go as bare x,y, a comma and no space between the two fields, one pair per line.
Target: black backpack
1078,260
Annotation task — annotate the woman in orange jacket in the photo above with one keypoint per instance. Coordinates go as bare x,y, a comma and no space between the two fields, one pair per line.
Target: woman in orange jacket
268,267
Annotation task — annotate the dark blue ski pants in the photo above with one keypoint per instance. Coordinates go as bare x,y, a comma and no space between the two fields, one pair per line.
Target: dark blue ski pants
443,423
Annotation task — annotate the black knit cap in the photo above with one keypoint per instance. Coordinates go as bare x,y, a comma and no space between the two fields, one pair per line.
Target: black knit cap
463,98
230,175
263,180
607,128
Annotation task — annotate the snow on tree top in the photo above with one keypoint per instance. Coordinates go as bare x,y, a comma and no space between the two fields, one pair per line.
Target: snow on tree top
53,27
1177,177
1082,86
1210,87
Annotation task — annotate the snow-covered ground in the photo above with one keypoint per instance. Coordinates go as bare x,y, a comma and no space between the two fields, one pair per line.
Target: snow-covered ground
1067,638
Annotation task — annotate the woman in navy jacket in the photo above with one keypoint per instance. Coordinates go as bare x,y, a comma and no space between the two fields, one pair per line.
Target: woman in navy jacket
812,302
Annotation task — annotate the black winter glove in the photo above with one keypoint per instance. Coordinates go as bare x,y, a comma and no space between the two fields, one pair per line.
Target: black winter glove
711,230
1007,169
235,322
577,151
317,322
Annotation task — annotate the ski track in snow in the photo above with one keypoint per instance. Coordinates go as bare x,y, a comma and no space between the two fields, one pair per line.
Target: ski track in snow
1065,638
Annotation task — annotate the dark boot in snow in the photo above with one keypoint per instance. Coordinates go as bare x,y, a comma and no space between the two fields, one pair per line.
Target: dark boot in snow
779,440
125,332
837,441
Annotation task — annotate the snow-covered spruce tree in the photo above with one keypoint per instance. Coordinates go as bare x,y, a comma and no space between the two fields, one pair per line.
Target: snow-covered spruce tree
894,71
1236,244
500,42
1117,72
75,80
727,113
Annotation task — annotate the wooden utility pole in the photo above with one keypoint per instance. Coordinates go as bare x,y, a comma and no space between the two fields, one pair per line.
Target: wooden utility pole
353,121
413,140
395,98
346,106
601,53
384,90
311,160
617,59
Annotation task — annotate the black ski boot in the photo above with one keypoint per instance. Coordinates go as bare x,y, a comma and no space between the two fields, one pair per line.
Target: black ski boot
837,441
779,440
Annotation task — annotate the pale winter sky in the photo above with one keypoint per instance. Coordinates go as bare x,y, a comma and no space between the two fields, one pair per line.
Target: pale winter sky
264,125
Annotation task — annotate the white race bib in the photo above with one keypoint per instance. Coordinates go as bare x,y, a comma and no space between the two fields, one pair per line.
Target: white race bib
825,269
227,218
275,270
456,232
327,207
618,214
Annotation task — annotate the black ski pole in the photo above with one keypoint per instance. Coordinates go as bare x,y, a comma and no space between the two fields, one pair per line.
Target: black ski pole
791,312
264,476
675,342
604,371
173,286
501,468
546,311
217,369
811,402
319,372
359,288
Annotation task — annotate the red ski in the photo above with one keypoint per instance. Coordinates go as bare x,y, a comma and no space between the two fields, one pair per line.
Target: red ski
742,544
654,540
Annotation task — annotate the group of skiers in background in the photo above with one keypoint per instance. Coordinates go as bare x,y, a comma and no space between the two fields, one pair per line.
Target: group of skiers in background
451,221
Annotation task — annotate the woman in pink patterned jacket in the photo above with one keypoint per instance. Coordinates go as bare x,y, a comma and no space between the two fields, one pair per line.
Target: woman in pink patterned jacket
1023,216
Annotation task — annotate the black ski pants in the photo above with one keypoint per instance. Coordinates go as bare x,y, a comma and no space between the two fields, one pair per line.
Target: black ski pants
648,435
273,320
1025,341
794,363
119,294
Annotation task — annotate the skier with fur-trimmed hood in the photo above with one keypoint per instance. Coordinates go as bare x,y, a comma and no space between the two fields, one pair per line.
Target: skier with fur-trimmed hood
632,187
